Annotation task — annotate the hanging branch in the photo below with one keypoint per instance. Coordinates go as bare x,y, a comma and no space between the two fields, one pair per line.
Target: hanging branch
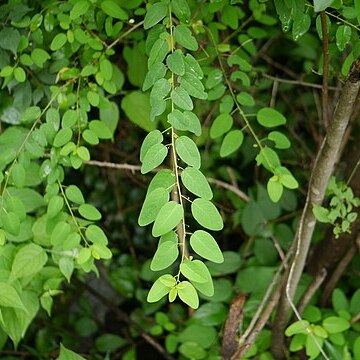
322,170
325,93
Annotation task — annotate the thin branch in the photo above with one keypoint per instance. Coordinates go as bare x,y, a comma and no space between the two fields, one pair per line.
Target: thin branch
230,187
296,82
126,33
311,290
322,170
325,93
112,165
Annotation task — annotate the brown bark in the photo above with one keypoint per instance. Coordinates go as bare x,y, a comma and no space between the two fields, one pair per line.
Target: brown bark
322,170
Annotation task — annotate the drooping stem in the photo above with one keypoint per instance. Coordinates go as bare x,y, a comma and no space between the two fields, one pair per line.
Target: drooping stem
325,92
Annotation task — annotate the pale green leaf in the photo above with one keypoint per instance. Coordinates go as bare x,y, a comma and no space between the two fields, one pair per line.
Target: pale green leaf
321,214
164,178
166,253
274,189
269,117
335,324
74,194
192,84
154,201
55,205
206,246
153,157
195,181
154,137
186,121
10,297
89,212
320,5
232,141
96,235
281,141
188,151
221,125
58,41
194,270
80,8
66,354
29,260
66,266
161,287
168,217
188,294
206,214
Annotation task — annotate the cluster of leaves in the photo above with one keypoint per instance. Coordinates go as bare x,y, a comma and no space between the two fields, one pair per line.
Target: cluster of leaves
341,212
332,330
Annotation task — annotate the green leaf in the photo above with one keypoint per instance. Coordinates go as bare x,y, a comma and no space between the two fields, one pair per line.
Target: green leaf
245,99
281,141
66,354
58,41
343,36
156,72
69,118
321,214
154,14
100,129
187,293
193,67
164,178
274,189
195,181
166,253
168,217
232,141
90,137
215,78
312,347
80,8
161,287
63,137
339,300
298,327
74,194
111,8
186,121
9,297
106,69
19,74
84,256
194,270
30,114
206,246
154,137
221,125
66,266
184,37
176,63
89,212
158,52
188,151
96,235
55,205
61,231
335,324
9,39
182,99
269,117
153,157
206,214
320,5
154,201
355,302
181,10
137,108
192,84
29,260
